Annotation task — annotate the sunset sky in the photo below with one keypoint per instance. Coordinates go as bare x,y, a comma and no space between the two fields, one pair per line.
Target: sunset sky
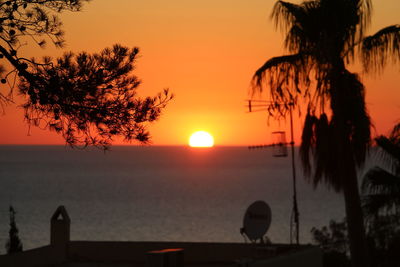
206,53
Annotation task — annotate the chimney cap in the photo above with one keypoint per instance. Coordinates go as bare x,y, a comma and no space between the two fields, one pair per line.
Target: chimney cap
60,214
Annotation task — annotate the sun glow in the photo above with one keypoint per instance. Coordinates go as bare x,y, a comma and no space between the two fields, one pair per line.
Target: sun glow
201,139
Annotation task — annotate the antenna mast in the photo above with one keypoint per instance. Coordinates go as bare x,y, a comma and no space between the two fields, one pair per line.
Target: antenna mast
294,219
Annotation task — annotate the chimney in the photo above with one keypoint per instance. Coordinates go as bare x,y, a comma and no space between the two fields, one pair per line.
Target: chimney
60,227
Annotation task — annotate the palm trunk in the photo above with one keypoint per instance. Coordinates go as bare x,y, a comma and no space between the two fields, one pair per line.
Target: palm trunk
355,223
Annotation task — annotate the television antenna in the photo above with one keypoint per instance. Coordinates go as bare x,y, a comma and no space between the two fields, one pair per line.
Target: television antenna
280,146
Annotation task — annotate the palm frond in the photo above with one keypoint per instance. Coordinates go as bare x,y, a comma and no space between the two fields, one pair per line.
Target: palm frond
323,152
284,14
307,143
290,71
318,146
378,204
380,48
382,187
395,135
390,152
365,13
304,28
380,181
285,77
283,65
295,39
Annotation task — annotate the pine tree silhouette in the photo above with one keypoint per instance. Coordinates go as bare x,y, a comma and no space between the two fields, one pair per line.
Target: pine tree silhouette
13,244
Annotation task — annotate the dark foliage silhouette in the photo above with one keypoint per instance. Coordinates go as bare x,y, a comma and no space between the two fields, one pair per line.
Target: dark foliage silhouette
383,236
322,36
28,20
333,240
90,99
333,237
13,244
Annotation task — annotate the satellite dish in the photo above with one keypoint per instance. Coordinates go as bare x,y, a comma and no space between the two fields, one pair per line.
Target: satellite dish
257,220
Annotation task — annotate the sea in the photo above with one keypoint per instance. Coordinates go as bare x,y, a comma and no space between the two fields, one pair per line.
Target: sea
153,193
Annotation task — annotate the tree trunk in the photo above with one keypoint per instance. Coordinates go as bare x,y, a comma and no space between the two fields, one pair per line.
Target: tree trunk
348,119
355,223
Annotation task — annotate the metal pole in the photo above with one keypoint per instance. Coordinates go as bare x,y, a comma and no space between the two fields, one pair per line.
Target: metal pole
295,212
295,208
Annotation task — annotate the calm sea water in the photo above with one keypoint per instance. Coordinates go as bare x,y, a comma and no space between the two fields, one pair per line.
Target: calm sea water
154,193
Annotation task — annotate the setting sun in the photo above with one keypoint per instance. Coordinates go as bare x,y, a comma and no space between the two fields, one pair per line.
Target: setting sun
201,139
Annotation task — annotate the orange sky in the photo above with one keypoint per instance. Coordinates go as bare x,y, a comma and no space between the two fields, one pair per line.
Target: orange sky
205,52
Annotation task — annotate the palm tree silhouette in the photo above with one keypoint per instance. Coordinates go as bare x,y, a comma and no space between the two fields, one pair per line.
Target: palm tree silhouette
380,186
381,200
322,37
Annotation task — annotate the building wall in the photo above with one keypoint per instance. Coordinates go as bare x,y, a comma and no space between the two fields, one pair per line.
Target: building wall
311,257
193,252
47,255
